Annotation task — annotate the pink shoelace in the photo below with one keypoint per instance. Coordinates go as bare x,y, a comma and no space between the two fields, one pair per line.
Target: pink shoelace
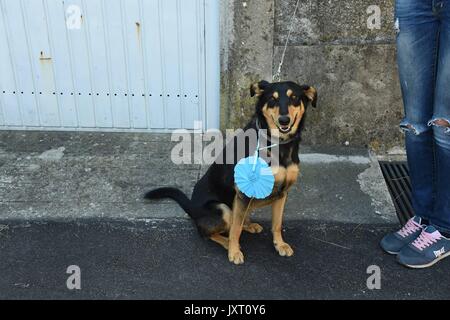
426,239
410,228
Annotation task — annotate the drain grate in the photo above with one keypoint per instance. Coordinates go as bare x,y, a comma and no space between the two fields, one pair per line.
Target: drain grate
396,175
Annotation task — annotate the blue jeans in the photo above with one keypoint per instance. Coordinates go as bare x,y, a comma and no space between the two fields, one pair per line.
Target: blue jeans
423,45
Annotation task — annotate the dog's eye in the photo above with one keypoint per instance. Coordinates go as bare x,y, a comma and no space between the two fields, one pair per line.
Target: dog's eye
294,97
272,102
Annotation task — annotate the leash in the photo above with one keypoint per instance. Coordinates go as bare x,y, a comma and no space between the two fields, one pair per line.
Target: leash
247,212
258,149
277,76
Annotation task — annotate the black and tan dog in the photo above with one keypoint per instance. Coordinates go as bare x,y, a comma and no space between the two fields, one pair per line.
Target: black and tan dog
217,207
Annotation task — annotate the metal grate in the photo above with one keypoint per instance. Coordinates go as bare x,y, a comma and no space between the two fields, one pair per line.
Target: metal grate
396,175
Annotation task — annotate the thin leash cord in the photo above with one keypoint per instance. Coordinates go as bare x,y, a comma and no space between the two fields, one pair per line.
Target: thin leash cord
277,76
247,212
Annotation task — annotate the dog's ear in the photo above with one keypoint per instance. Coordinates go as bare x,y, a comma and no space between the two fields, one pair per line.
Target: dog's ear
310,95
257,89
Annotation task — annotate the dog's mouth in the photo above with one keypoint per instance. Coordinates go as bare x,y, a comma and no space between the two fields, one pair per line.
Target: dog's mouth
285,129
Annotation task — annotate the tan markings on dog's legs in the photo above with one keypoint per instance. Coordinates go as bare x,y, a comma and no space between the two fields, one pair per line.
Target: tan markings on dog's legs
235,254
280,174
252,227
292,174
220,239
226,215
282,247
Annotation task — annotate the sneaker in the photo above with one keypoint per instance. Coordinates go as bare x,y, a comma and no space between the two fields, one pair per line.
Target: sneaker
428,249
393,243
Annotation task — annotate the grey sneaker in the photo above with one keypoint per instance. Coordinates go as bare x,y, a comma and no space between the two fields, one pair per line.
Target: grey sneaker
394,242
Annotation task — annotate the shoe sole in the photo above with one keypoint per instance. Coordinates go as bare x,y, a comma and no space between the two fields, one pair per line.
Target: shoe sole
427,265
392,253
389,252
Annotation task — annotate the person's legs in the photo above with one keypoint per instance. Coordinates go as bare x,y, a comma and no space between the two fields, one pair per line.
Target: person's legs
433,244
417,47
441,125
417,50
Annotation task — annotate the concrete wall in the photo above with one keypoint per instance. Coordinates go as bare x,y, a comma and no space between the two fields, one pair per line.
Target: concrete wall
247,55
331,48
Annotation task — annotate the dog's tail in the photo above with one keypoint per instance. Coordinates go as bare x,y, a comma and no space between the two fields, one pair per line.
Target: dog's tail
178,196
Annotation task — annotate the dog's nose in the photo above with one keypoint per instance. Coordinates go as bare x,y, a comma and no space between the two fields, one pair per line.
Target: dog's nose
284,120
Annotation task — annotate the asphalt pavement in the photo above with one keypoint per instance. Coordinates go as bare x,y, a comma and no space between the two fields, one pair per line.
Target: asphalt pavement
167,260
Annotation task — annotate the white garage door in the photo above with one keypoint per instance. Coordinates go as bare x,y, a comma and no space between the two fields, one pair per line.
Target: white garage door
108,65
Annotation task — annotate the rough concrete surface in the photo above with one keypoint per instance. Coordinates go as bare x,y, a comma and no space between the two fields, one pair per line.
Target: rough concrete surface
332,48
81,175
332,22
358,96
247,50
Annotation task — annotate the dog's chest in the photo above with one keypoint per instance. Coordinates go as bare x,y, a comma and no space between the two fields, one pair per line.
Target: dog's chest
285,177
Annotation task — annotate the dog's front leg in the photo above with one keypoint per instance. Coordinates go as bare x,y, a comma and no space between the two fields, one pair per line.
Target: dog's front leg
234,250
282,247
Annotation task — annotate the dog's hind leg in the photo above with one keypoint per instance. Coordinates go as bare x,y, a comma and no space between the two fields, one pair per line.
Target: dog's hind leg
226,215
220,239
216,234
252,227
248,225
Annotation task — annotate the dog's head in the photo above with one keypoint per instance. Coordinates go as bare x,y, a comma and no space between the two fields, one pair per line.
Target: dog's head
283,105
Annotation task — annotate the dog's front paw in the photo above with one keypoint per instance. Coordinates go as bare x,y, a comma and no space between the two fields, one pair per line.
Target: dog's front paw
236,257
253,228
284,249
